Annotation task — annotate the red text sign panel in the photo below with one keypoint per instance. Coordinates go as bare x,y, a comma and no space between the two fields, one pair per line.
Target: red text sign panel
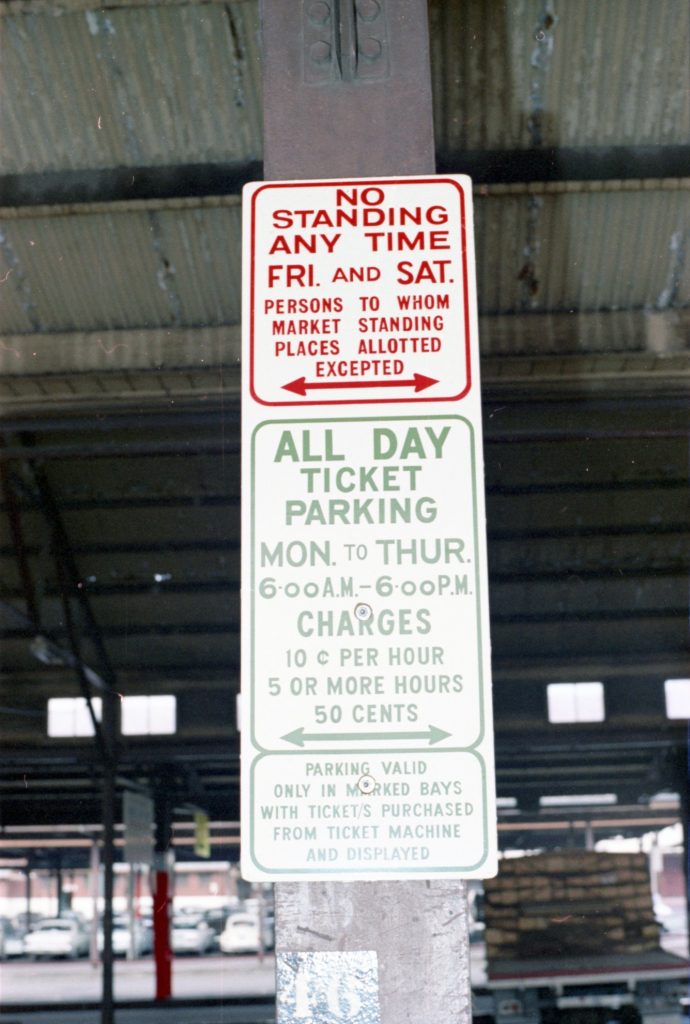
359,291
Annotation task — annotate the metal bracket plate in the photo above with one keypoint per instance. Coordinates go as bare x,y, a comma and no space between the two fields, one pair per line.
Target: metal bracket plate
345,40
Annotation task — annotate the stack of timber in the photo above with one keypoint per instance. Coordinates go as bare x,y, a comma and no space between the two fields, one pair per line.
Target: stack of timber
571,903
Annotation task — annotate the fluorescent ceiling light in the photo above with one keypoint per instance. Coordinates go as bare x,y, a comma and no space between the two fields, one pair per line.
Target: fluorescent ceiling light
575,702
677,698
149,715
69,716
581,800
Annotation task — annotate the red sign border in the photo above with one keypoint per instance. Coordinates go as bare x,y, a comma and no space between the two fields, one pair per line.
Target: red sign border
335,182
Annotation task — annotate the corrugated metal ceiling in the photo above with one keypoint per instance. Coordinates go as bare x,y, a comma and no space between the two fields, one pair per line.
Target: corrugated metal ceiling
129,86
583,247
579,248
167,82
513,74
144,264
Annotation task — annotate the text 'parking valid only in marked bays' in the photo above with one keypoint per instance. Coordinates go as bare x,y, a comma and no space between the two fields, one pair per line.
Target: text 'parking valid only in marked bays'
421,814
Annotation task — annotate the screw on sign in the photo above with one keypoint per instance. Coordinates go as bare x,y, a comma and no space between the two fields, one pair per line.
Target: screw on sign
367,784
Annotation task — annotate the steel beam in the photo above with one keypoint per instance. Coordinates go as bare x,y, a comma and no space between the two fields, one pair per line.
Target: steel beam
20,547
347,92
347,88
546,163
105,731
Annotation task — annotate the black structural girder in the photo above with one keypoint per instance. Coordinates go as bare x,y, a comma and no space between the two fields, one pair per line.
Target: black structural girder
68,574
485,167
567,163
67,579
20,547
125,449
106,729
59,655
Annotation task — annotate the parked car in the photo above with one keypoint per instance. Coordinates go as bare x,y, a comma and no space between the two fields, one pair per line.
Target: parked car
191,933
57,936
243,934
11,940
143,937
264,911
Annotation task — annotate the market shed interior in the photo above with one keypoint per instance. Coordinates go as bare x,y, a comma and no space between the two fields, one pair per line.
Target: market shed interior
127,134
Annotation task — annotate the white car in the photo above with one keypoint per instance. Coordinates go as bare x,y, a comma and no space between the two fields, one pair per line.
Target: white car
59,936
242,934
191,933
143,937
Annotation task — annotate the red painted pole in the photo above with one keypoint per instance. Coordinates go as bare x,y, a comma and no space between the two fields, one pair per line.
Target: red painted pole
161,935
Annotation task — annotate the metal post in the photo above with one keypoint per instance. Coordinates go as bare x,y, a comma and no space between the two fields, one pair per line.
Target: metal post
106,732
347,92
27,893
58,886
161,931
162,895
95,879
347,88
685,809
109,727
589,836
262,918
131,916
17,534
417,931
683,785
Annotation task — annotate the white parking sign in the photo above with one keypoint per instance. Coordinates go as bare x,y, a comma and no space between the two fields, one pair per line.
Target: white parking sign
367,742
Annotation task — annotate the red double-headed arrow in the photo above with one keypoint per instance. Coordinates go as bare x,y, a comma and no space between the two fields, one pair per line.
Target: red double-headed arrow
301,386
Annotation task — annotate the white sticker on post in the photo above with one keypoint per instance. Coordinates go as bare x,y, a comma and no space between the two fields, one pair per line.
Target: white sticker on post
339,987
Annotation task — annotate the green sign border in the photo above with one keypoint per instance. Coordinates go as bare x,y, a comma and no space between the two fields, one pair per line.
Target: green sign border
263,751
423,870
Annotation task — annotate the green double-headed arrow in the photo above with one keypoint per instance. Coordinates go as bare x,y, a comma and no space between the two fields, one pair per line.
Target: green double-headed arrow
299,737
